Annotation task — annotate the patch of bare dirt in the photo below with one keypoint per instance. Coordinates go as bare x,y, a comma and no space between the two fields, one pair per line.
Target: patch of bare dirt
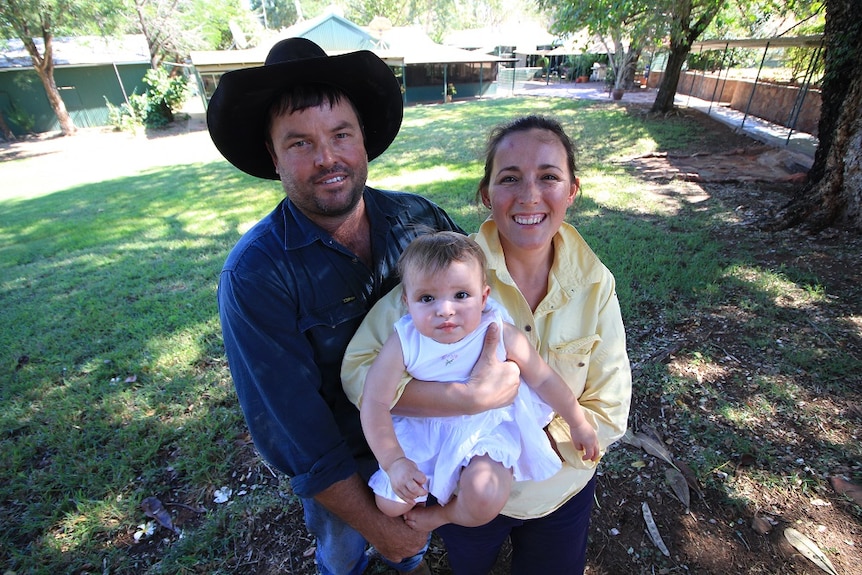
754,163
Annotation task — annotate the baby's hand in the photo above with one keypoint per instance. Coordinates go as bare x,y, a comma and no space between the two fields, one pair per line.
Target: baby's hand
407,480
585,439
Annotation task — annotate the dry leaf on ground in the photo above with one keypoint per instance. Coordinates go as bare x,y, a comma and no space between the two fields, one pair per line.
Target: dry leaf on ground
809,549
851,490
678,484
652,529
153,508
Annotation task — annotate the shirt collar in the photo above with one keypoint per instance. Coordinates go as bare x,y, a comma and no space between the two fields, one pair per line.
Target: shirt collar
578,266
300,231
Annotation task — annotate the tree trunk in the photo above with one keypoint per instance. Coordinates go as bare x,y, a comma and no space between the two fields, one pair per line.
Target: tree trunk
670,80
44,66
67,126
5,131
688,21
833,193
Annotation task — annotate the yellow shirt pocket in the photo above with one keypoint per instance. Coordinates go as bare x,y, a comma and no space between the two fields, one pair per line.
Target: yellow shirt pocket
571,360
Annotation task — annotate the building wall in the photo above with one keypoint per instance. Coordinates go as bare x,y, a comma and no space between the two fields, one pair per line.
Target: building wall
771,102
84,90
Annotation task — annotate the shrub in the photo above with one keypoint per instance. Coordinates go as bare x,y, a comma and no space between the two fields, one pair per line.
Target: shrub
128,116
165,95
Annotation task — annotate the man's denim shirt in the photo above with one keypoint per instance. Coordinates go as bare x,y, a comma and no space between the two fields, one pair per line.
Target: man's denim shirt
290,298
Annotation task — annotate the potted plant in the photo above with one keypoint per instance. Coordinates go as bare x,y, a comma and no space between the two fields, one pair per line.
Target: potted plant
450,92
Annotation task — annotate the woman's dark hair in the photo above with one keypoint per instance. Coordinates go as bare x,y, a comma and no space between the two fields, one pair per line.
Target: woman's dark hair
524,124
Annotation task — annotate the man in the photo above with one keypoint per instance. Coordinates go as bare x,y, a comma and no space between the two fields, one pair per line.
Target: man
297,285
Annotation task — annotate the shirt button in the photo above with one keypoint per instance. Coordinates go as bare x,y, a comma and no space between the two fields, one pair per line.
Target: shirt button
528,328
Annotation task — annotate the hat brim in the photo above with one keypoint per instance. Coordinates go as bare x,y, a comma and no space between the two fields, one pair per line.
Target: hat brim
236,115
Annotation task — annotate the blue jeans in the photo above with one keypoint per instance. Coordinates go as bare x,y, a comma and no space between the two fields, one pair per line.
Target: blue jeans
556,543
341,550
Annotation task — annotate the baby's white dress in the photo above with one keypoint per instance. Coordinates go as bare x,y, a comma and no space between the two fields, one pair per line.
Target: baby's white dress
441,446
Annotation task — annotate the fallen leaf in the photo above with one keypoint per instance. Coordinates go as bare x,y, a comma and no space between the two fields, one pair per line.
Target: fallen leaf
651,432
639,464
690,477
629,438
761,525
145,530
851,490
222,495
652,529
654,447
809,549
679,486
153,508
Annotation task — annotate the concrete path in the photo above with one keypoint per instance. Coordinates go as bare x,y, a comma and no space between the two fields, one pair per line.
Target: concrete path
760,130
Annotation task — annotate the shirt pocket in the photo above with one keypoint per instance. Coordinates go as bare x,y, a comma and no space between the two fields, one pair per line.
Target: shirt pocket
571,360
329,328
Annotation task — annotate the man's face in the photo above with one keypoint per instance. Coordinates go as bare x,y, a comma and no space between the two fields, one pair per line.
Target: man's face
319,154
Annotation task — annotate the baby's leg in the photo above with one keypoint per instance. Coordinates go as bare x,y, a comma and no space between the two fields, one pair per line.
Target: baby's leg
483,489
392,508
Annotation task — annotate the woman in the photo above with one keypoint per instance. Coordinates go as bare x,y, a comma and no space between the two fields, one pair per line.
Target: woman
564,299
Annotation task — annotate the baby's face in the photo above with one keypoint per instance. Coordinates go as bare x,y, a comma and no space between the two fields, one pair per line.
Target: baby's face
447,306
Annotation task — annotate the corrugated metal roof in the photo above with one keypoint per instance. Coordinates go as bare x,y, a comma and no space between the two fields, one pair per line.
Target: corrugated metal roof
397,46
79,51
777,42
332,32
528,35
413,46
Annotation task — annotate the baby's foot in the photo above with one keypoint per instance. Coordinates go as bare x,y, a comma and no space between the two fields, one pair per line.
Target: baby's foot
426,518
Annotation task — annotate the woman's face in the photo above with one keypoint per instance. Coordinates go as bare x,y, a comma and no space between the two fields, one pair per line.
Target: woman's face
530,189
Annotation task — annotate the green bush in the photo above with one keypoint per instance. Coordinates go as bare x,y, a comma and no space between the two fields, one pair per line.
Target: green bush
165,95
155,108
128,116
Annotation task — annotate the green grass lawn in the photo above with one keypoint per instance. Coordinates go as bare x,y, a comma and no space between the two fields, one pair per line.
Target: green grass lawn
113,382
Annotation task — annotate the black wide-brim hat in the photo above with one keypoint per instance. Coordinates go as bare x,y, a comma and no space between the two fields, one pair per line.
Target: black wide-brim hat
237,111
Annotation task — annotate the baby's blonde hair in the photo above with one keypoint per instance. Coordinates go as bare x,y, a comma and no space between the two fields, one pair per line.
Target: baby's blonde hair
434,252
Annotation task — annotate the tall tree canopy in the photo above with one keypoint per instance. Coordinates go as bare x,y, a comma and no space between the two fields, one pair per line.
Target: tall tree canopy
437,17
46,19
624,26
833,193
175,27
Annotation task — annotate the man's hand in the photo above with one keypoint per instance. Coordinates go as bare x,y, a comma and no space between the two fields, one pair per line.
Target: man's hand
493,383
353,501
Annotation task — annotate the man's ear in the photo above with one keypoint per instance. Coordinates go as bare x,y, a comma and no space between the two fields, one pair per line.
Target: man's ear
272,156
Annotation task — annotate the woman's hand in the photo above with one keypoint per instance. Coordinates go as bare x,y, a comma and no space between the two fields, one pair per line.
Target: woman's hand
493,383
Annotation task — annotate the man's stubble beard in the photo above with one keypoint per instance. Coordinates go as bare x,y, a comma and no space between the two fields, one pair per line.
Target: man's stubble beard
313,205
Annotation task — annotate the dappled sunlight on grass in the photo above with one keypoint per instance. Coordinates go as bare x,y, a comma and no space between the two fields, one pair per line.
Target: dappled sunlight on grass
416,178
743,416
613,190
780,290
